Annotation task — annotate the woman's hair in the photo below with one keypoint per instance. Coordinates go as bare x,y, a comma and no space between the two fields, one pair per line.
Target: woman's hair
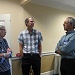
2,27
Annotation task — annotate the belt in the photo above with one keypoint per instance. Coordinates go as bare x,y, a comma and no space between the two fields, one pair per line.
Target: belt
30,53
68,58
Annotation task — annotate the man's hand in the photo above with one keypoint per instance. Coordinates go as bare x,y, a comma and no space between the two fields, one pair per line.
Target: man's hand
58,52
6,55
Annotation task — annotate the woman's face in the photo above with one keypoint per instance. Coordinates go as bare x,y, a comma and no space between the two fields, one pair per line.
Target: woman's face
2,32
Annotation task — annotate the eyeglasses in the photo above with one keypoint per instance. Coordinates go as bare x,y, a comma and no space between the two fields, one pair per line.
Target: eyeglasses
66,22
32,21
2,29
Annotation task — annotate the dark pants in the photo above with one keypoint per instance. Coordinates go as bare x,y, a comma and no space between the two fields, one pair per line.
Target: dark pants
29,60
67,67
5,73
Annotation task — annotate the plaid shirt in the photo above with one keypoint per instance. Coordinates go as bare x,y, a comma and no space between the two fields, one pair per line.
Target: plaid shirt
3,49
30,41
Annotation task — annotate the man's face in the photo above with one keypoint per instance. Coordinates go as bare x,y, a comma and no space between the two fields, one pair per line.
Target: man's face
2,32
67,25
30,24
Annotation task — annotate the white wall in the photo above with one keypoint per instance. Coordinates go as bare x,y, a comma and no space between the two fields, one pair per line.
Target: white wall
47,20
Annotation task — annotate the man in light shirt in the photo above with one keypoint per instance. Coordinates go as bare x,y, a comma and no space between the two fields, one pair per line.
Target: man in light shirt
66,48
30,48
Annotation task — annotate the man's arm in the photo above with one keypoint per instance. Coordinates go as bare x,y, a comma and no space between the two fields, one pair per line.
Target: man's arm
21,49
7,54
58,51
40,48
1,54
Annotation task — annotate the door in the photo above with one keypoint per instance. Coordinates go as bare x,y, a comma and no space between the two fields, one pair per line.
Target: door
5,20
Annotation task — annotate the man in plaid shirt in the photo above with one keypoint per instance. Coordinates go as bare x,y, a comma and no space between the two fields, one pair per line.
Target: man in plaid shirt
30,48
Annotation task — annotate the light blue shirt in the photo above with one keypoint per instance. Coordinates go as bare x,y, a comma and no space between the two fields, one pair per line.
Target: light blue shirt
67,45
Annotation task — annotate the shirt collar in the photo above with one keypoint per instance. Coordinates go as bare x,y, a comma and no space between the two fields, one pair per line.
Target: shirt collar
1,39
69,32
31,32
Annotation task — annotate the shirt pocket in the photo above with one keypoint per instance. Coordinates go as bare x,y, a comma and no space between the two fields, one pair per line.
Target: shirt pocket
35,42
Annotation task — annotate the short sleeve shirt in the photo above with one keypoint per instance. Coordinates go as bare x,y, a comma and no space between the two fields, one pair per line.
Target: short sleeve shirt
30,41
3,49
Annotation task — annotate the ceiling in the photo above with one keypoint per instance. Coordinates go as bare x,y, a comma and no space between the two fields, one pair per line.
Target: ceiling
68,5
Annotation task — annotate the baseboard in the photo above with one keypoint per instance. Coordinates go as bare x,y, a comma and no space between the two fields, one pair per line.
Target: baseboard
48,73
55,74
